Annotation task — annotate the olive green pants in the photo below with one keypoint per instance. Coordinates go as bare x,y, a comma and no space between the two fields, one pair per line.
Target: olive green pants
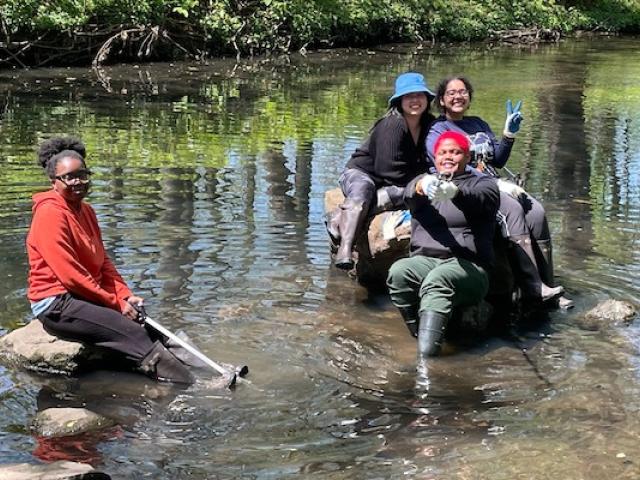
435,284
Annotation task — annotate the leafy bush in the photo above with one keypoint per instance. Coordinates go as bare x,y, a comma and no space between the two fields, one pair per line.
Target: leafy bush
209,27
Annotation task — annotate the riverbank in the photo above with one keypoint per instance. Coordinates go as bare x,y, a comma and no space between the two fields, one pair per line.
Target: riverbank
35,34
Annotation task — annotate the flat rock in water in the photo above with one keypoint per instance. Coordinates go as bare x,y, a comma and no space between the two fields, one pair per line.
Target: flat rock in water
61,422
609,313
51,471
32,348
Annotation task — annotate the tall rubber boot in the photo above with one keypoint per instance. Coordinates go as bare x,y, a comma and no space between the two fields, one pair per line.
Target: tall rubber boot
431,333
352,217
332,223
160,364
411,318
545,267
527,275
545,261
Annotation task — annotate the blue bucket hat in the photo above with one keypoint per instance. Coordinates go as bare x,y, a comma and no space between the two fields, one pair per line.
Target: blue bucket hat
411,82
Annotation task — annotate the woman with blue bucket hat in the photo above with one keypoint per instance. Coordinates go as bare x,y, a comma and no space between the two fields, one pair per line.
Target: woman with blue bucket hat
389,158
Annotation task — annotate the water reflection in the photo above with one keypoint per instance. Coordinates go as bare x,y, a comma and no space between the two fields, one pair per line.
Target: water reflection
209,187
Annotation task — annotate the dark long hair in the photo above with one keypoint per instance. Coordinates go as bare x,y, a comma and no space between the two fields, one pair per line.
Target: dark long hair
55,149
442,88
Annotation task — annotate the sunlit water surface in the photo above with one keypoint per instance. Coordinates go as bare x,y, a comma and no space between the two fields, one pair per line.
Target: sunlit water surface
209,183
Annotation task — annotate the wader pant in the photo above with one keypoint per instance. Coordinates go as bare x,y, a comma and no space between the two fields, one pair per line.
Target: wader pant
523,223
436,284
357,186
73,319
362,198
524,216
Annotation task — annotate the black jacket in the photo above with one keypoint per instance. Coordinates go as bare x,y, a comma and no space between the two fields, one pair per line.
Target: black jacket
389,155
462,227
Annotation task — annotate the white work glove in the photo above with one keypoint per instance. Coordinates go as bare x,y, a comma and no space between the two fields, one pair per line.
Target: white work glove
510,188
427,182
442,191
437,189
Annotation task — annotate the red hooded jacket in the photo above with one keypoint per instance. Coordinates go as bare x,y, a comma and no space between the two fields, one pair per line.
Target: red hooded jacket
66,254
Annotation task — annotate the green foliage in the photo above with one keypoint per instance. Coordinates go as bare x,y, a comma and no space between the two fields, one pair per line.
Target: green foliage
258,26
610,15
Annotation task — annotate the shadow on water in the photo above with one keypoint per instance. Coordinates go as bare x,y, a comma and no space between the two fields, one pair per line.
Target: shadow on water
209,184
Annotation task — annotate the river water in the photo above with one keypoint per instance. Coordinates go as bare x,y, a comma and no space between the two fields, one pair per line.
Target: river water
209,184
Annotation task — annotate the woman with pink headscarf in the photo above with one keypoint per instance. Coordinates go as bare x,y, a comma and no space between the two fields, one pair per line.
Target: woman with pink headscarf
452,228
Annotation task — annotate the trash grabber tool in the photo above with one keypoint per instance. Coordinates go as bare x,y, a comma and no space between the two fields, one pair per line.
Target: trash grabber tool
242,371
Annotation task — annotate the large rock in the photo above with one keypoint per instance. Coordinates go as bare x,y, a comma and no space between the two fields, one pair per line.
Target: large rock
609,313
61,422
32,348
51,471
375,254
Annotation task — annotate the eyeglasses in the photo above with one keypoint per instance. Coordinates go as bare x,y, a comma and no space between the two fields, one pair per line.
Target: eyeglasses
79,176
463,92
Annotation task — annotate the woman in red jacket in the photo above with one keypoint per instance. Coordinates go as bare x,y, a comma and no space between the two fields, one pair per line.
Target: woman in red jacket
74,288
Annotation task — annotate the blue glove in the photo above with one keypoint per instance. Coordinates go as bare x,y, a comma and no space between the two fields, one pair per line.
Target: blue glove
514,117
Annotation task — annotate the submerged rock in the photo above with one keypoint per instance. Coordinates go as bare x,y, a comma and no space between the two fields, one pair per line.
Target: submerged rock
609,313
60,422
51,471
32,348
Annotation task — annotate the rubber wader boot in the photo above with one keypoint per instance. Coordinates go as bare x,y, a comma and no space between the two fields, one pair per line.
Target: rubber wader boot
545,266
545,261
351,219
411,318
431,333
160,364
332,223
186,358
527,275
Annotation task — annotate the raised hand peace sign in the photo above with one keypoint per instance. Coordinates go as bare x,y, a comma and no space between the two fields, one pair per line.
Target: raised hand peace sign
514,117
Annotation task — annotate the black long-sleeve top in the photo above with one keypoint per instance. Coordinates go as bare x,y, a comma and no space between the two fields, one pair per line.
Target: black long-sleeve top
462,227
389,155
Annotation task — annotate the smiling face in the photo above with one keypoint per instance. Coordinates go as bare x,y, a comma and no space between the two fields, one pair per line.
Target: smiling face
450,157
414,104
456,99
66,182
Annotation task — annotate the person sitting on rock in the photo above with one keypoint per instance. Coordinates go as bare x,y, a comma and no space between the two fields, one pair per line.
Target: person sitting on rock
523,219
452,227
392,155
74,288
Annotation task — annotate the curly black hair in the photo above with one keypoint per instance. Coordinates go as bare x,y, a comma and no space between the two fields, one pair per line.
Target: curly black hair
442,88
53,150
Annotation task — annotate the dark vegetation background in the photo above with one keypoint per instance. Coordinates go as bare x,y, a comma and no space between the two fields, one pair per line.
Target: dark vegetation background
65,32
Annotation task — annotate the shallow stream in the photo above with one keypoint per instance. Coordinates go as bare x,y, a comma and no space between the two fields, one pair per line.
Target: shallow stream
209,184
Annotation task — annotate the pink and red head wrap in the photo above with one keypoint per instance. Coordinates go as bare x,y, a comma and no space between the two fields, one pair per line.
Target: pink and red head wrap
461,139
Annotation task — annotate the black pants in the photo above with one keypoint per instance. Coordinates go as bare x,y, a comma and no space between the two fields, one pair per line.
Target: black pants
523,216
71,318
